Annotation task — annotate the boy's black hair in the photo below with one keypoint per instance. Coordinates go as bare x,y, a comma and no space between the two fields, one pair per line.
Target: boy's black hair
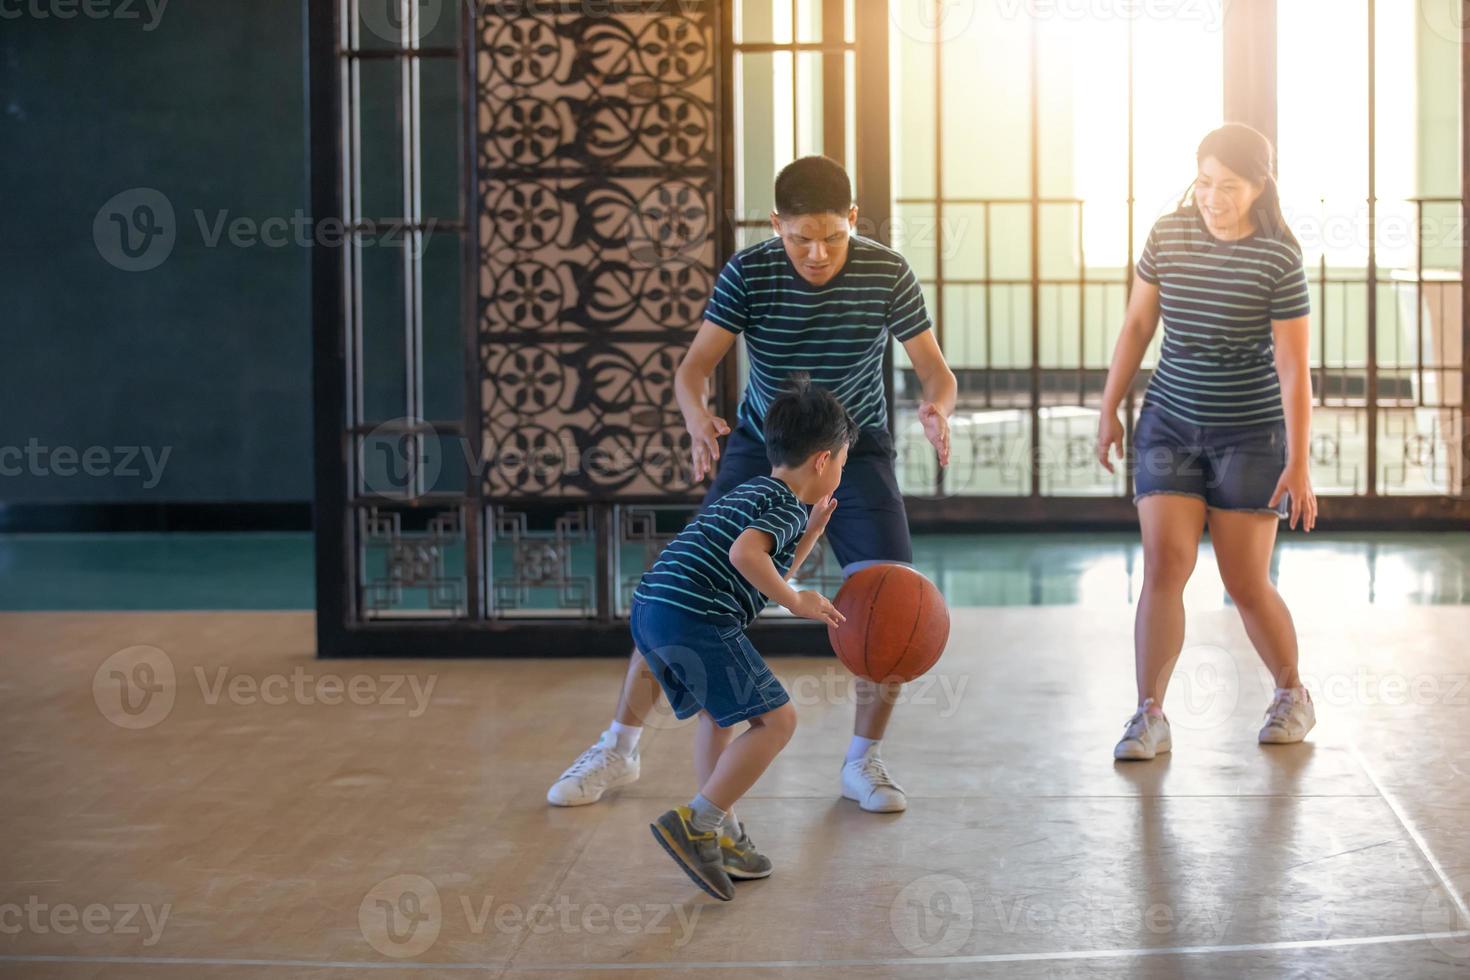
813,185
806,419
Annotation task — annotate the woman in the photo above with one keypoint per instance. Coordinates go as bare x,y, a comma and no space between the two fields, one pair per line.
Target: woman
1222,438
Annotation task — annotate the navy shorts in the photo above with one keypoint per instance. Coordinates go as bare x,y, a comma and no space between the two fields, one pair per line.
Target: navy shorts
704,664
1228,467
869,525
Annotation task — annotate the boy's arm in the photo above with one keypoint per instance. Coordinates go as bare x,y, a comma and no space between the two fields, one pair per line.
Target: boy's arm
691,385
816,523
751,556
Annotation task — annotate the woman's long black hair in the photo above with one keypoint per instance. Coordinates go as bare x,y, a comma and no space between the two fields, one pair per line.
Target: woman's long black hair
1249,153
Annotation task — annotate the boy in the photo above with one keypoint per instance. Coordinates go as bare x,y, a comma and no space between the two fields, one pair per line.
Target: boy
691,609
822,299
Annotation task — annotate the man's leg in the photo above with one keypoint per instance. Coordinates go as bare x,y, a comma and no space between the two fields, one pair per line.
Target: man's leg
870,527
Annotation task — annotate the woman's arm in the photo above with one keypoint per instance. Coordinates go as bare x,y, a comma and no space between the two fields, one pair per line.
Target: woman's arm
1293,367
1139,325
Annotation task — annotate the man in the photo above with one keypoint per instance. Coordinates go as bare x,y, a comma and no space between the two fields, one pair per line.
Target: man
821,299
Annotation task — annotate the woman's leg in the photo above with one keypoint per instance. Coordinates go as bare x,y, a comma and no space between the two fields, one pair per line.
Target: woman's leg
1171,524
1243,542
748,756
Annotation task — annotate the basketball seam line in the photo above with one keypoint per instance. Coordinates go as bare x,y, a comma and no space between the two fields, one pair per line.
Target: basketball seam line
868,626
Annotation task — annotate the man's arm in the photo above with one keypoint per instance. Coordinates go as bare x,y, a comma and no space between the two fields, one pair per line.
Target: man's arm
940,390
691,389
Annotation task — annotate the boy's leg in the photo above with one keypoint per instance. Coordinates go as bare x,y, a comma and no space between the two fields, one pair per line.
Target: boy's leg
743,761
585,782
870,527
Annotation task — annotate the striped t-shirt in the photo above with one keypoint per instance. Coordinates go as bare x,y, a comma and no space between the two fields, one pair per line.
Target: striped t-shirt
694,571
837,332
1217,300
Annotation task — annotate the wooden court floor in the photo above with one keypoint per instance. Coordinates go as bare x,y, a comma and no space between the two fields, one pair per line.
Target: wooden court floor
193,795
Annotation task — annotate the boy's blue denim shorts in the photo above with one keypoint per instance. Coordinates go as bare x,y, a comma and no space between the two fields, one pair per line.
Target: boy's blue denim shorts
704,665
1228,467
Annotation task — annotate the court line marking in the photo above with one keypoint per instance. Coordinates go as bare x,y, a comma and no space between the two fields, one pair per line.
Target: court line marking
1085,954
1414,835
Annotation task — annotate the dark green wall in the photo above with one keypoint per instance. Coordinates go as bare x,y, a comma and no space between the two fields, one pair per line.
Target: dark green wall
206,356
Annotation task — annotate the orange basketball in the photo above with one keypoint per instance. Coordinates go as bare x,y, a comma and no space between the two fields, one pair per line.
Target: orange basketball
897,623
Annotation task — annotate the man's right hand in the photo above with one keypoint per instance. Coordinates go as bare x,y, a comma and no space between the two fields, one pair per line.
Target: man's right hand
704,443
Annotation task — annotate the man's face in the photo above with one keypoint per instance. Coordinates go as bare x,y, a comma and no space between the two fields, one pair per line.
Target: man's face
816,243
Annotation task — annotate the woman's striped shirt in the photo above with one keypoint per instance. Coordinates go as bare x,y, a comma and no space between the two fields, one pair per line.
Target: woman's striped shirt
837,333
694,571
1217,300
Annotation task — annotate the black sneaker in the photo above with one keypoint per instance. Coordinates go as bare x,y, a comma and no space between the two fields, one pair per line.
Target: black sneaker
698,854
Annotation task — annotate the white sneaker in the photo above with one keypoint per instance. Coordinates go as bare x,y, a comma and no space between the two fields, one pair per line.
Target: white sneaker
1146,735
596,771
1289,718
867,781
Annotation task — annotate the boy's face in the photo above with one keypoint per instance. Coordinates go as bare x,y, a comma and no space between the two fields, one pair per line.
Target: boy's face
816,243
828,466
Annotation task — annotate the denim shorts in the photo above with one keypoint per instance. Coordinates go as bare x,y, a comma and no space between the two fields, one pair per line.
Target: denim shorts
704,665
1228,467
869,526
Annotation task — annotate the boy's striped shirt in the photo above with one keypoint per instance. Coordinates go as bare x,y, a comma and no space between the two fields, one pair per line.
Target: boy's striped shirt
694,571
837,333
1217,300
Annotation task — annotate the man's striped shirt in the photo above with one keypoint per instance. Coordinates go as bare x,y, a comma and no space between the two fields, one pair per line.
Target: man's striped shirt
1217,300
837,332
694,571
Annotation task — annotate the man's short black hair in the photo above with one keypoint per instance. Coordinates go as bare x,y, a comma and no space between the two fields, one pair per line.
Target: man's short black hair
813,185
806,419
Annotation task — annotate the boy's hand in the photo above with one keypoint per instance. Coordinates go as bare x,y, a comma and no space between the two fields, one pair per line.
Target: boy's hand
816,521
814,605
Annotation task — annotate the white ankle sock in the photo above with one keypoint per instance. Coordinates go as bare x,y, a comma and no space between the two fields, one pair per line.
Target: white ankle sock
730,827
625,737
706,816
858,747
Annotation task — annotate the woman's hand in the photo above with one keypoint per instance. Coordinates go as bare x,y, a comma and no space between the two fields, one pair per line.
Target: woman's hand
1296,480
1109,437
